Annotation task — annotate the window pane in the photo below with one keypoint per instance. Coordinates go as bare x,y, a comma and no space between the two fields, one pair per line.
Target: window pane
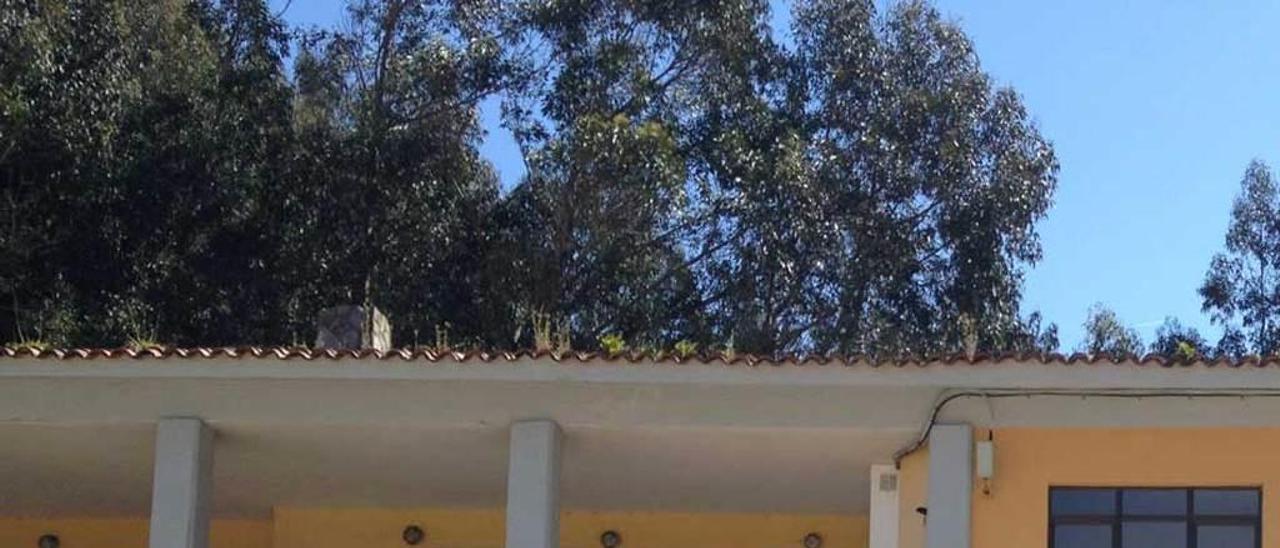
1158,534
1166,502
1074,502
1226,501
1082,536
1225,536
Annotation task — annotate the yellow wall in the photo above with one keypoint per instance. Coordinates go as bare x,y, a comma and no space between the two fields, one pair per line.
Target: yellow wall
298,528
124,533
1029,461
380,528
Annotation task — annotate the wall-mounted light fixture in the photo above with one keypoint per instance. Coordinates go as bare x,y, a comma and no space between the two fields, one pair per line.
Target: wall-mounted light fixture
413,535
48,541
813,540
610,539
985,455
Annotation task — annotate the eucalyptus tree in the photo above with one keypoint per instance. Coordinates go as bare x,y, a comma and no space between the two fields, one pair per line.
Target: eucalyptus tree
903,214
867,190
617,217
1241,291
64,78
1104,333
201,152
139,140
390,197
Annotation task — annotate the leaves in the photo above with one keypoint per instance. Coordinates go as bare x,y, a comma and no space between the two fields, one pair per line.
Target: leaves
1184,342
1105,334
903,197
1242,286
866,189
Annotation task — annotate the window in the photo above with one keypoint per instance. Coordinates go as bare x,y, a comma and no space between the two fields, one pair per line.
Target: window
1155,518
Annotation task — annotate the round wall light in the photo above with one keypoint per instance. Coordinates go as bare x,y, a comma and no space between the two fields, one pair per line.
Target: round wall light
610,539
813,540
48,541
413,535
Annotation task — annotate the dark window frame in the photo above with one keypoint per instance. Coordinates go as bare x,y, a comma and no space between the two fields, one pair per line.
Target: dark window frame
1117,518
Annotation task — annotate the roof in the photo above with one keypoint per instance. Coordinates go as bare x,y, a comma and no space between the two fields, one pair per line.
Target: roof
655,358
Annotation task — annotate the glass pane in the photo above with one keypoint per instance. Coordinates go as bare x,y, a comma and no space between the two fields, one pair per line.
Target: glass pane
1225,536
1153,534
1075,502
1219,502
1082,536
1151,502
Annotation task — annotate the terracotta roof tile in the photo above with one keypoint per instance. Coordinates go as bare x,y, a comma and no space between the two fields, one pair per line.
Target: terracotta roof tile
659,358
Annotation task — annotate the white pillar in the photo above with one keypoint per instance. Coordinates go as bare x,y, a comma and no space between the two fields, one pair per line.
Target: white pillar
950,486
181,487
883,517
533,485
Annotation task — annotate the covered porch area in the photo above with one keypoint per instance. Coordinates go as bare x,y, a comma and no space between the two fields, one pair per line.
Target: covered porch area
284,449
533,454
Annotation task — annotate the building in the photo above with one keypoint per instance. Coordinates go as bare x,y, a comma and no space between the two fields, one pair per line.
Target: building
293,448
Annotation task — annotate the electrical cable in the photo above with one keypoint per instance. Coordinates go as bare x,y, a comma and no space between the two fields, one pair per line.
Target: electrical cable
945,399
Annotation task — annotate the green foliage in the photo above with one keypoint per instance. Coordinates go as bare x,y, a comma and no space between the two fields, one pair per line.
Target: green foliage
30,344
613,344
549,335
389,200
917,198
139,167
686,348
1182,342
729,350
580,231
143,342
690,180
1031,335
1186,351
1106,334
442,338
1240,289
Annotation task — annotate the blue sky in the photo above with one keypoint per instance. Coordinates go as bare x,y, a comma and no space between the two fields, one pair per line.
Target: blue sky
1154,107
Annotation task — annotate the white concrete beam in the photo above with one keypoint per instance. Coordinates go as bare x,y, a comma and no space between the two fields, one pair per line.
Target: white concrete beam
950,486
533,485
883,516
181,486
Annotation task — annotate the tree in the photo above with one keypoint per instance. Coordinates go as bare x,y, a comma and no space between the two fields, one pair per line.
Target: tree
1033,336
908,196
135,167
63,80
867,189
614,224
203,145
1175,339
1243,282
390,198
1105,334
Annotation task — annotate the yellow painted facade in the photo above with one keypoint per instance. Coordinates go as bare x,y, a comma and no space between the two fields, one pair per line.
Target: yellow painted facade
1014,514
445,528
125,533
1028,461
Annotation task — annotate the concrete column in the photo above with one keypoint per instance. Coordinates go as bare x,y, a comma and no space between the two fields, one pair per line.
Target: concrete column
950,486
181,487
883,516
533,485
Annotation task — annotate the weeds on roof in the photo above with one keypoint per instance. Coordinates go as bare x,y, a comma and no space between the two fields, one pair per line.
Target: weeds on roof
686,349
29,344
613,344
